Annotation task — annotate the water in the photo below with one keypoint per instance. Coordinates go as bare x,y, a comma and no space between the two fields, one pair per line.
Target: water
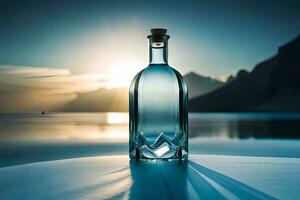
33,137
64,128
158,107
108,128
27,138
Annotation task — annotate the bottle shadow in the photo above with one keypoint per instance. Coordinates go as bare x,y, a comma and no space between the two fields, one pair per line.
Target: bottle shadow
185,180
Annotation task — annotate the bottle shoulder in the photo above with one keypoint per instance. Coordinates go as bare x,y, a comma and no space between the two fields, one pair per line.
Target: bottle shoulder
156,72
160,69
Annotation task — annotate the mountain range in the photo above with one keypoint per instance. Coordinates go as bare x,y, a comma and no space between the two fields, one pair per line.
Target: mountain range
116,99
200,85
272,86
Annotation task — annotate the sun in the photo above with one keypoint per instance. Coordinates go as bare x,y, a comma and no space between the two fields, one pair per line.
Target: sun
118,81
121,75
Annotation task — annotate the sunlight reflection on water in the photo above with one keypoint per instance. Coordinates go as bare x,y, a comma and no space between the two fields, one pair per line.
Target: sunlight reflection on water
117,118
26,138
113,127
87,127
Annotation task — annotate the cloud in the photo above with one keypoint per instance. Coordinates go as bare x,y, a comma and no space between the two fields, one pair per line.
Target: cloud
33,71
27,89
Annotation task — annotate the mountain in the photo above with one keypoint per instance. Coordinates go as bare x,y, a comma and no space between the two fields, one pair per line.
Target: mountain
116,99
199,85
101,100
273,86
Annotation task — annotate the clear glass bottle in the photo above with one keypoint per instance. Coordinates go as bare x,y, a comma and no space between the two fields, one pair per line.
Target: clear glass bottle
158,102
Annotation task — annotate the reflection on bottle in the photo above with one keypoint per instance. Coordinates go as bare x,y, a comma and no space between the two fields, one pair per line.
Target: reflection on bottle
158,107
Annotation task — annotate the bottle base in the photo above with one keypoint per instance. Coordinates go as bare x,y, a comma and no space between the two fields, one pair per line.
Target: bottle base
161,154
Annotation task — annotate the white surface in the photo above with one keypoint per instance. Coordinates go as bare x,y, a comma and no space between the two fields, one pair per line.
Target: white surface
278,177
113,177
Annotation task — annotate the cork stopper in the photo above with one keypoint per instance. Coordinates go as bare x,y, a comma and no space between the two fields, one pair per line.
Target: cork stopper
158,31
158,34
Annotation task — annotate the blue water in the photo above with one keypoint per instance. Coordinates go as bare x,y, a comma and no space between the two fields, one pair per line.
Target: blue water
33,137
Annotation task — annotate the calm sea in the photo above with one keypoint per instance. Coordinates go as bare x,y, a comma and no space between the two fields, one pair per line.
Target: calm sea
36,137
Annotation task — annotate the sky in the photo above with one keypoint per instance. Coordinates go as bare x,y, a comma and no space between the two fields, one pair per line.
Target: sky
209,37
94,44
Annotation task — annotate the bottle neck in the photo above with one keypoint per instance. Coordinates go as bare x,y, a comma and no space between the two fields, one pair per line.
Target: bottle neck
158,51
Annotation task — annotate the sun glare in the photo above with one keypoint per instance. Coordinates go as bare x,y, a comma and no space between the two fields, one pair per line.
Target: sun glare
122,74
117,118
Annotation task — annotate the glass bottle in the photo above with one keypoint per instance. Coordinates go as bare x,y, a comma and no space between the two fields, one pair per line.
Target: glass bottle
158,107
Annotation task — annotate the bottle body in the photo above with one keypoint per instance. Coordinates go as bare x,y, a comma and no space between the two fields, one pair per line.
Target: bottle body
158,100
